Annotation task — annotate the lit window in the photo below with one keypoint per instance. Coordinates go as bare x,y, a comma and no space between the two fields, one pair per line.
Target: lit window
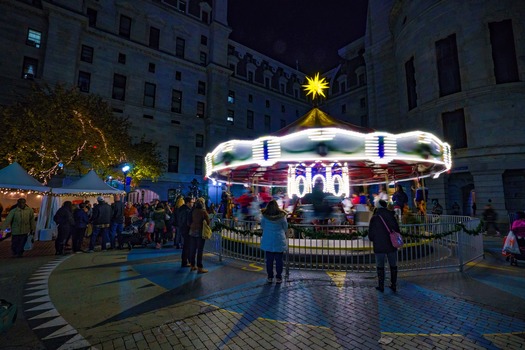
231,96
30,68
231,116
34,38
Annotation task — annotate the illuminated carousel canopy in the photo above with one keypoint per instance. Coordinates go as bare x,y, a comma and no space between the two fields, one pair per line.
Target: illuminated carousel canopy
337,154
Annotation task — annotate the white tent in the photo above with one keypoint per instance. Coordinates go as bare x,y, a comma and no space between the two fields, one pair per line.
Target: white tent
16,183
88,187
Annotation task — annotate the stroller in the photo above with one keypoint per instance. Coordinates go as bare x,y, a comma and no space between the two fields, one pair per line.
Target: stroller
134,234
519,232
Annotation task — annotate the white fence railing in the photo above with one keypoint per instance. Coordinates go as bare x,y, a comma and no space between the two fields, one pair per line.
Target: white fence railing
437,242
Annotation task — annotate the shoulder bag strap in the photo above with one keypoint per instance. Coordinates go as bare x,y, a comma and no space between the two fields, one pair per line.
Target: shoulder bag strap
384,223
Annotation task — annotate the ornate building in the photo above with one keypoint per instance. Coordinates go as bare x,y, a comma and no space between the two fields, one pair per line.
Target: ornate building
455,69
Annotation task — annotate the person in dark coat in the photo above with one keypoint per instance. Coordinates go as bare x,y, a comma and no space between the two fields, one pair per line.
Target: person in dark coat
101,220
81,222
183,222
198,215
117,220
65,221
379,235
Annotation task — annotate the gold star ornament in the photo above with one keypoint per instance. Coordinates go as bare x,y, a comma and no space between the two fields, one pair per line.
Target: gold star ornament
315,86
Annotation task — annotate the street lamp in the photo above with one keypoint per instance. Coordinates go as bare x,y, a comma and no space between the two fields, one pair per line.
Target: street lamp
127,180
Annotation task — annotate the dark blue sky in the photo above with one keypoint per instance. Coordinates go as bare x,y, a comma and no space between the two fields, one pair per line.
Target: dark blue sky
307,31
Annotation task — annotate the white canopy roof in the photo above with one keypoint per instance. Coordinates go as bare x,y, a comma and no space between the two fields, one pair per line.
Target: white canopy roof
89,184
15,177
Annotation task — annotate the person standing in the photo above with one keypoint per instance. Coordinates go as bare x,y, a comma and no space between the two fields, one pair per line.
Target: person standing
101,220
66,223
130,211
117,221
198,215
273,240
158,216
183,228
81,222
379,235
21,220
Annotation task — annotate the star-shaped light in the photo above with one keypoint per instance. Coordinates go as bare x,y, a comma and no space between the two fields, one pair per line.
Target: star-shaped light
316,86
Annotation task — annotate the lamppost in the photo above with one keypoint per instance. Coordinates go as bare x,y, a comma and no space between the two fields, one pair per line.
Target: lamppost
127,180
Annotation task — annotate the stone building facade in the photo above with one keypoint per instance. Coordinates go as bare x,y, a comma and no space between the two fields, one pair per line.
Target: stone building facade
455,69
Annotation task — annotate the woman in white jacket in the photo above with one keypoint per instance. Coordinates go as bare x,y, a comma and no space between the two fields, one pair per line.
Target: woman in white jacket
274,241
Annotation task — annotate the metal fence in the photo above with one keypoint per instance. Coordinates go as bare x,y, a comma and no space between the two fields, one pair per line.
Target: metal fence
435,242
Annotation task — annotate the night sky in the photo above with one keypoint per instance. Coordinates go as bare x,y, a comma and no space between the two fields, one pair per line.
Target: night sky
307,31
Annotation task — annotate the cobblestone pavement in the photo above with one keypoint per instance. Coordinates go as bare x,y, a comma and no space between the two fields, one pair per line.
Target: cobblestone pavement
143,300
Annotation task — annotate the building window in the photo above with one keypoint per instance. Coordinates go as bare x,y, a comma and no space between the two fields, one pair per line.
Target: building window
200,109
362,102
231,116
92,17
503,52
86,54
283,123
173,159
201,88
149,94
119,87
180,45
198,165
176,101
199,140
147,116
250,77
343,108
410,74
151,67
250,98
267,123
182,6
364,120
125,26
154,37
295,93
267,103
204,40
205,17
342,87
283,109
361,79
448,66
454,129
267,83
231,96
178,75
281,88
84,80
249,120
34,38
203,57
29,68
121,58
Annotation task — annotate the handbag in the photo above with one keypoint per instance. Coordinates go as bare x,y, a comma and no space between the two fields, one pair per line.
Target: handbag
206,230
29,242
395,237
511,244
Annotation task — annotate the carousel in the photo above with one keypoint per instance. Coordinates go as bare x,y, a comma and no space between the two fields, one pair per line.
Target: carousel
320,150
